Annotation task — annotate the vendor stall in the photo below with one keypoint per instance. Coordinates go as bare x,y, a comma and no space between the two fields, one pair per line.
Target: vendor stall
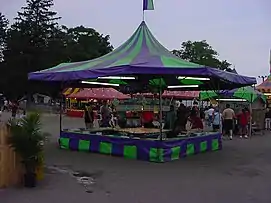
142,64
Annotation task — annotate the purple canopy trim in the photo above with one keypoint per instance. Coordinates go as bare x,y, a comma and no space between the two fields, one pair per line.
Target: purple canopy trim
133,70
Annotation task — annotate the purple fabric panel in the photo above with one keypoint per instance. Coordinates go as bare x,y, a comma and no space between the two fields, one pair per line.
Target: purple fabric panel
145,5
145,57
117,149
220,143
143,152
209,145
167,154
183,149
130,70
74,144
95,145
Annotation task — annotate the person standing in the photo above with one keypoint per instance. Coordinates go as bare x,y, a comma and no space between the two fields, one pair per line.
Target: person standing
228,116
105,112
170,118
5,108
217,119
268,119
210,113
14,109
243,121
88,116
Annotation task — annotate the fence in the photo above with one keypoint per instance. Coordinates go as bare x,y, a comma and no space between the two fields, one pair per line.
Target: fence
10,166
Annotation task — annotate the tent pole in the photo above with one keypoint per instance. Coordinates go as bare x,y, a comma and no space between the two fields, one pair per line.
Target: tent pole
250,116
61,107
160,111
143,15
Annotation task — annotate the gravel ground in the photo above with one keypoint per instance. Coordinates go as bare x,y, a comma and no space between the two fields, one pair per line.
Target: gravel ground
240,173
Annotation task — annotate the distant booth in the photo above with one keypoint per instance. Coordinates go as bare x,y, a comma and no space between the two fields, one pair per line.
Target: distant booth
75,103
265,88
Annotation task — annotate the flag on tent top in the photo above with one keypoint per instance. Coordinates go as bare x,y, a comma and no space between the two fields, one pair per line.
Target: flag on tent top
148,5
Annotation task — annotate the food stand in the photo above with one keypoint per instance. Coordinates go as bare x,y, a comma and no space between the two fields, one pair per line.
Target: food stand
142,63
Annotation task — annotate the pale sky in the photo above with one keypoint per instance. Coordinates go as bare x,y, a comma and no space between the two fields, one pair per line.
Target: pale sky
239,30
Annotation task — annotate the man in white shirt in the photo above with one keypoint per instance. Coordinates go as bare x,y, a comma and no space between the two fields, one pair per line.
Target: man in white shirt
210,112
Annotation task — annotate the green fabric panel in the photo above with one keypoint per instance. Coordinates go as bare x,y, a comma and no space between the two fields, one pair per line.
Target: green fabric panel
191,82
247,93
215,144
190,150
160,155
175,153
118,81
207,95
177,63
156,82
153,154
64,143
128,59
159,48
150,5
105,148
130,152
203,146
84,145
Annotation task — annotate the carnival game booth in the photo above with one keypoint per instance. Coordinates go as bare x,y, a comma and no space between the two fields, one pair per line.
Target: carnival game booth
142,64
76,102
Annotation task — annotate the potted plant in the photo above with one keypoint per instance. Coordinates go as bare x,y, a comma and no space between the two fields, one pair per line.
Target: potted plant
27,139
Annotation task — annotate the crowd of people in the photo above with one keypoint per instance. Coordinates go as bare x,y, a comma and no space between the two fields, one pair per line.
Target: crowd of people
227,121
104,111
179,120
17,108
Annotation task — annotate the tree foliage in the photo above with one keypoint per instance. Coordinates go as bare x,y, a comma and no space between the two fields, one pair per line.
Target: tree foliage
37,41
3,34
201,52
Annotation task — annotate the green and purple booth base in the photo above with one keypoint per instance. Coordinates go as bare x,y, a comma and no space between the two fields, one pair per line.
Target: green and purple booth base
147,150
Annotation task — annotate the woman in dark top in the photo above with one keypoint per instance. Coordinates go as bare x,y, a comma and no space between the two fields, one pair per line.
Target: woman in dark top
88,116
195,120
14,109
182,115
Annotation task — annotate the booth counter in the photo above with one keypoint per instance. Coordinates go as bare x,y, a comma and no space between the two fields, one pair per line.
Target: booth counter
142,144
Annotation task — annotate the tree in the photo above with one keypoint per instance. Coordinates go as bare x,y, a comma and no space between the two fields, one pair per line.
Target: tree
3,34
36,41
86,43
27,41
201,52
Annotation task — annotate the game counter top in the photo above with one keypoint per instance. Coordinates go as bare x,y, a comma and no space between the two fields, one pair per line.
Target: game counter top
135,133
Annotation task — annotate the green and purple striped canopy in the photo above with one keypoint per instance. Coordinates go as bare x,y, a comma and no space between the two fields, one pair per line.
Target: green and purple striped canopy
247,93
141,54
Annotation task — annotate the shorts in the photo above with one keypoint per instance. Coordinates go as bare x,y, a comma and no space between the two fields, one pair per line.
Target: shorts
216,127
228,125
